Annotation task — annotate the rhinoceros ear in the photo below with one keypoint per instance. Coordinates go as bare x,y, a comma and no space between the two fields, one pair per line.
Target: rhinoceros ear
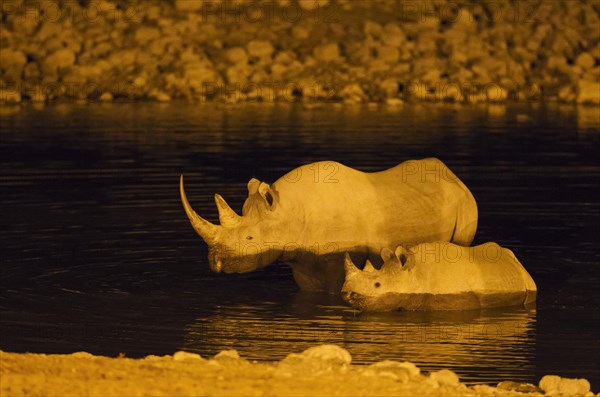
253,185
267,193
402,254
391,263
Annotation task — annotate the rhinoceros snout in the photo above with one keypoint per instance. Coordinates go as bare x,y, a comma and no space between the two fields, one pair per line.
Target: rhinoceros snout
217,265
349,296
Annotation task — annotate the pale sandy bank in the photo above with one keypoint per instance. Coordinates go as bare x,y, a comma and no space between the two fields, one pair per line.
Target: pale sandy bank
321,370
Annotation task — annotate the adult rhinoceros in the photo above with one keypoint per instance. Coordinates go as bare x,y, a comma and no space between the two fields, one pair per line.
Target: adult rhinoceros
314,214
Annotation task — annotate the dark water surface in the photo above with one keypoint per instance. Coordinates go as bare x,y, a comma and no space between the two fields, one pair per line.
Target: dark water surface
97,253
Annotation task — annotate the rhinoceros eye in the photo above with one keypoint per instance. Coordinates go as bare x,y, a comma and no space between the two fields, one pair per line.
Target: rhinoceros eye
377,284
248,237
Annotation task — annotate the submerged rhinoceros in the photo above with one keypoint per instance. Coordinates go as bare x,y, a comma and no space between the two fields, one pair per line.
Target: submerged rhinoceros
439,276
312,215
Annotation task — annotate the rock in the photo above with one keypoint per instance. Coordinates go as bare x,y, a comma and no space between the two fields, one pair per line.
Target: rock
576,71
373,29
330,353
393,36
238,75
495,93
60,59
48,30
185,356
445,377
592,74
199,73
558,63
401,371
520,387
585,61
300,33
237,55
139,81
394,102
285,57
27,22
227,354
452,93
310,5
144,34
153,12
189,5
122,58
10,96
32,72
155,358
327,53
318,359
159,95
260,48
106,97
554,385
432,77
352,93
567,94
83,355
388,54
12,62
277,70
588,92
484,390
390,87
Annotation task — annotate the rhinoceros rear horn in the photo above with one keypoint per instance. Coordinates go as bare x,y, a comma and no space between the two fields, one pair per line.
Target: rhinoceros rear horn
349,266
369,268
227,216
204,228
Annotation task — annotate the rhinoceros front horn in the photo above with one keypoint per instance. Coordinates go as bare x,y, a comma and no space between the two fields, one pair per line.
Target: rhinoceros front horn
349,266
204,228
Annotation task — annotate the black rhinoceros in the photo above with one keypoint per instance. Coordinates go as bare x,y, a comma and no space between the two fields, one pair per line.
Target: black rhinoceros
314,214
440,276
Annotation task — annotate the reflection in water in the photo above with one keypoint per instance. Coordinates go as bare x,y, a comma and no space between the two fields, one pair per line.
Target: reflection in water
481,346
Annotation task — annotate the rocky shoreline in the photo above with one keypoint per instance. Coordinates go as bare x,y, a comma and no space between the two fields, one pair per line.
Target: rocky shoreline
320,370
384,51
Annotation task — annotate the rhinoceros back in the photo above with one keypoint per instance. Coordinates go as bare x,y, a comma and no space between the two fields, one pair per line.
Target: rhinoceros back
414,202
487,272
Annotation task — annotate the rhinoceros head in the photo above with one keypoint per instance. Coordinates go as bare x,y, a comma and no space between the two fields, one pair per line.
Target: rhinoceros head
244,243
372,289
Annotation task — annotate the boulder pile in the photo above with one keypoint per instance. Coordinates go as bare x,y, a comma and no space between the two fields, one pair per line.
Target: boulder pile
320,370
232,51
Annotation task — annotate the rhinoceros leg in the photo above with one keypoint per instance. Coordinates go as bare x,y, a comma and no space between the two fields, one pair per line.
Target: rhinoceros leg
305,280
328,276
321,272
